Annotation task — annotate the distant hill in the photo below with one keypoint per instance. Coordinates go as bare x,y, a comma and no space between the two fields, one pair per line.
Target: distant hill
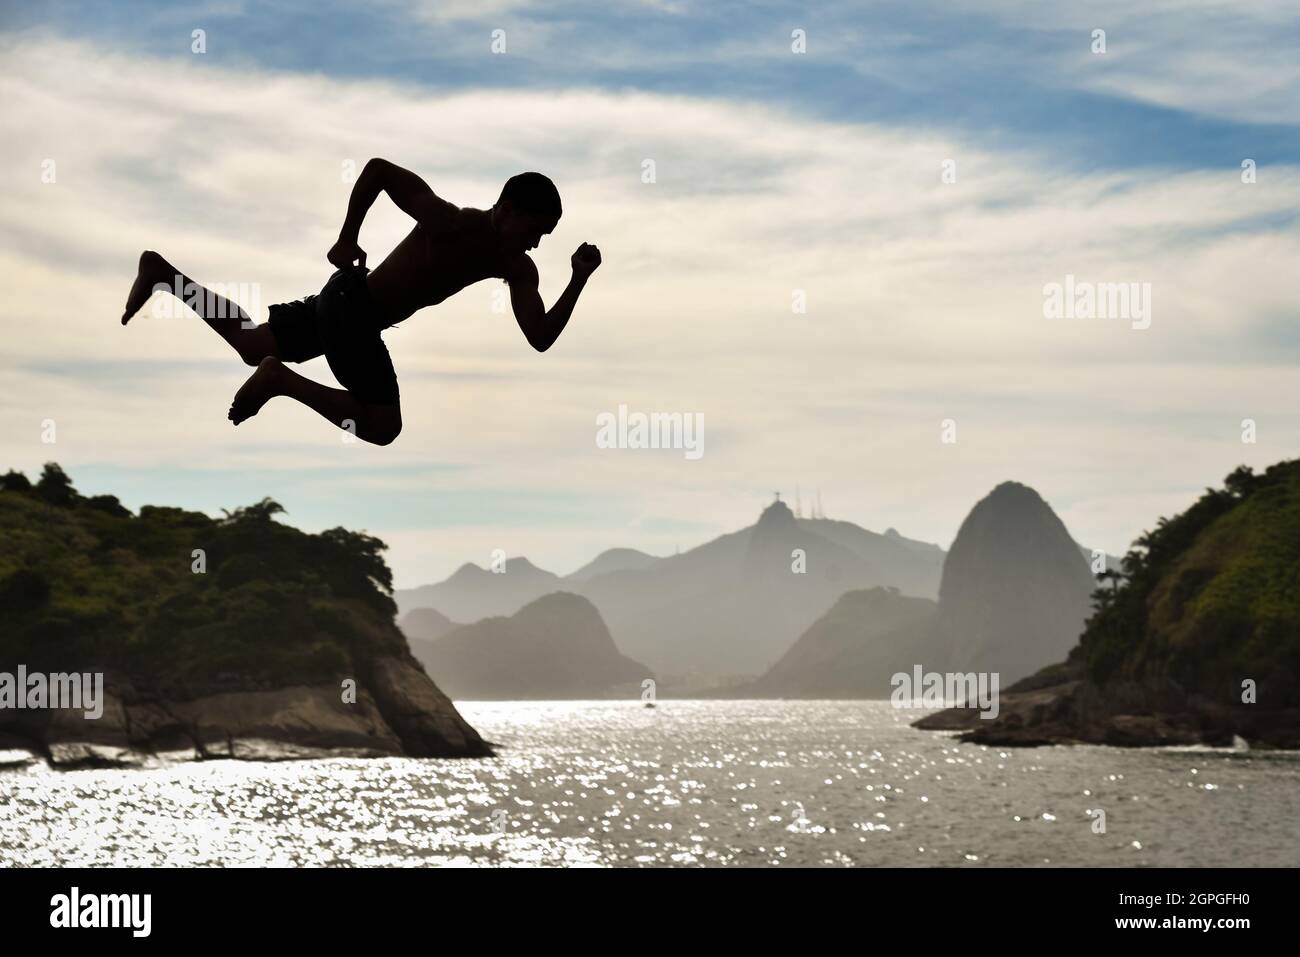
217,636
426,624
612,560
1207,606
730,607
852,651
913,567
473,592
554,647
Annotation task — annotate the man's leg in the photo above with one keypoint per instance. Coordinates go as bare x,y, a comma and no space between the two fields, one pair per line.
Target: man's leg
379,424
224,315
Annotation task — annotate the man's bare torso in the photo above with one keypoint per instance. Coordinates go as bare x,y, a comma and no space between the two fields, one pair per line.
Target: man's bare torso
427,267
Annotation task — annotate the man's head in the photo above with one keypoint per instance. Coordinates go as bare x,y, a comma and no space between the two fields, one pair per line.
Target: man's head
528,209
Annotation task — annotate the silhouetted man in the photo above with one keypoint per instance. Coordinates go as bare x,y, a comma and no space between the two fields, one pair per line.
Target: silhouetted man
448,249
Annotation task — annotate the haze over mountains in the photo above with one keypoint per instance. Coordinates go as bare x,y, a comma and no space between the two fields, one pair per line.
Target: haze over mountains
554,647
728,608
1014,597
472,592
425,624
812,607
853,650
613,560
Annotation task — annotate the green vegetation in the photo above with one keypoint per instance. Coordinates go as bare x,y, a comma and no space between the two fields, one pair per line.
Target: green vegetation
84,583
1211,595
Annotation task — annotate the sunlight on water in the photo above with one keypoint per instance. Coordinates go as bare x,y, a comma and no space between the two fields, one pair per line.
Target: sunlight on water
685,783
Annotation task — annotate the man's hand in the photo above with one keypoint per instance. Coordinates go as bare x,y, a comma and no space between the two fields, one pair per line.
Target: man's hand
345,252
585,260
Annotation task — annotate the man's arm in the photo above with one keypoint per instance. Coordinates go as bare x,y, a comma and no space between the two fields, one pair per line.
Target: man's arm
408,192
541,327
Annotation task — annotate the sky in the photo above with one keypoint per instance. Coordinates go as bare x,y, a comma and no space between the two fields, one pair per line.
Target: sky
916,177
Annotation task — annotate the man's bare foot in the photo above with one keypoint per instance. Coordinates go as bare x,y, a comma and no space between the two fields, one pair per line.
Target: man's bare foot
261,386
152,271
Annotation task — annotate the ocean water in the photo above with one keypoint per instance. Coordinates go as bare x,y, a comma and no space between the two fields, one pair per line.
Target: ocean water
686,783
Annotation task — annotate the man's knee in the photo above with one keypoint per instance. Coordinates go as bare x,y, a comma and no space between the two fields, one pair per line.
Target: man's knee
387,436
385,425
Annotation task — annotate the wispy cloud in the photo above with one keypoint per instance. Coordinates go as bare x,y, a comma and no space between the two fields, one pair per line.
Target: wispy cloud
924,303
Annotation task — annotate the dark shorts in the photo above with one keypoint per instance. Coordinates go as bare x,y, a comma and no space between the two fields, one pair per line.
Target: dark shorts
341,325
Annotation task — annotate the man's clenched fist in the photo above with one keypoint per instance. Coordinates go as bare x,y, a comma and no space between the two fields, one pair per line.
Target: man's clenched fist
586,259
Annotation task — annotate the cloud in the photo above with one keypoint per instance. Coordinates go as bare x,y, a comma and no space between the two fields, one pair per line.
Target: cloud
1208,57
924,303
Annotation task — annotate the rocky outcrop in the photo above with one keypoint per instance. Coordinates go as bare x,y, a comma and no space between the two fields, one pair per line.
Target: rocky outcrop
395,710
238,637
422,717
1197,643
1075,710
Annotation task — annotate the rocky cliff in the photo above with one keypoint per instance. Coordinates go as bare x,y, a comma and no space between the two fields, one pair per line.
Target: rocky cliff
238,637
1196,641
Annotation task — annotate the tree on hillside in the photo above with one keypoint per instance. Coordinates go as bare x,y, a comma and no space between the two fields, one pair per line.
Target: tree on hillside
54,486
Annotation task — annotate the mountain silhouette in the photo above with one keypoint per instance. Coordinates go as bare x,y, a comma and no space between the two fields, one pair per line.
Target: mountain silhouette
733,606
730,607
852,651
554,647
473,592
612,560
1016,590
425,625
1014,596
